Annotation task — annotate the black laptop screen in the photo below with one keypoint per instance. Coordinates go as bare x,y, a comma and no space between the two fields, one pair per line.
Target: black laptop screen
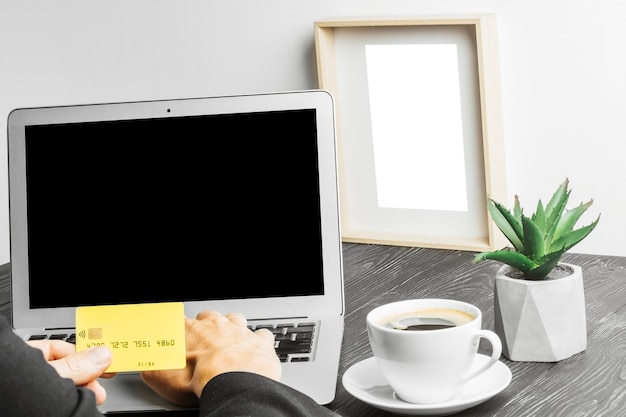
172,209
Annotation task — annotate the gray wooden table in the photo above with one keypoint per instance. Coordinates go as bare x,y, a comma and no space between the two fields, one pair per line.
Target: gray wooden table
592,383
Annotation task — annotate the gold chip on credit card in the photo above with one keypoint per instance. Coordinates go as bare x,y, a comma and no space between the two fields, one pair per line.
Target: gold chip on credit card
141,337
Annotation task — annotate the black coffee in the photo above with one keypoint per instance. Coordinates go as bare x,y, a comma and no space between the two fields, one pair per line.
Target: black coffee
429,319
422,323
428,326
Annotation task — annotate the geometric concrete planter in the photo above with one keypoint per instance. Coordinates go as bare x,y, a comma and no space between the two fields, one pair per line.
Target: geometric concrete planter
540,321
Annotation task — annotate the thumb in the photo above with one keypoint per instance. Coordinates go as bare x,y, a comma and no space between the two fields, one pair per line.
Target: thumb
84,366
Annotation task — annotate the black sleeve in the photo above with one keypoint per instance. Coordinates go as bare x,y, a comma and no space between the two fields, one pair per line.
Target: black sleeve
247,394
30,387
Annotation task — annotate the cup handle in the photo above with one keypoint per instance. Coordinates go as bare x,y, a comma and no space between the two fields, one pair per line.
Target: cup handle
496,351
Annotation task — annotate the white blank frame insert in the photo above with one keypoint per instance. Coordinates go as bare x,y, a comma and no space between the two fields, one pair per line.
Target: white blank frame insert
419,128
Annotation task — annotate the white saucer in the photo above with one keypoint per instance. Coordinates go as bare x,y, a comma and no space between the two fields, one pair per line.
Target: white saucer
364,381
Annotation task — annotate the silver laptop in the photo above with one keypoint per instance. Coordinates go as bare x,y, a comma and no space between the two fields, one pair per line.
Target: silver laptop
228,203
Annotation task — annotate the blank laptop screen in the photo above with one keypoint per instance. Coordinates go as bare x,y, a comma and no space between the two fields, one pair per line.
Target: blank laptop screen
177,208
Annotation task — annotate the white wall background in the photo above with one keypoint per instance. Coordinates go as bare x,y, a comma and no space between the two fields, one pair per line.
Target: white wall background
563,66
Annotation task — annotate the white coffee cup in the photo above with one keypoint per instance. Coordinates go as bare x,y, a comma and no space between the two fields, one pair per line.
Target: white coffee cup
428,366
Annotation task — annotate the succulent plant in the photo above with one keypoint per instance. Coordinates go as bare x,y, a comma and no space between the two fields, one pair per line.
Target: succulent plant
539,241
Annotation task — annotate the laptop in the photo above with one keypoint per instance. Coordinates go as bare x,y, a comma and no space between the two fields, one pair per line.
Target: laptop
227,203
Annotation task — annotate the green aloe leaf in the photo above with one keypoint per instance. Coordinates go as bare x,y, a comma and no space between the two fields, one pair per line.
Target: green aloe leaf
572,238
517,260
557,202
533,239
539,217
556,211
507,223
518,212
568,220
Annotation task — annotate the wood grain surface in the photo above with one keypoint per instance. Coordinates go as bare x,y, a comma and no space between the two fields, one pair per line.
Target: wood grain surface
589,384
592,383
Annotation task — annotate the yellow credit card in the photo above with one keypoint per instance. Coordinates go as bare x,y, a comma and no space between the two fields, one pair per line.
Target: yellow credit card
141,337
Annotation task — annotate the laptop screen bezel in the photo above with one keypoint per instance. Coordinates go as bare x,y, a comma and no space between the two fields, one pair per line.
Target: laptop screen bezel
331,303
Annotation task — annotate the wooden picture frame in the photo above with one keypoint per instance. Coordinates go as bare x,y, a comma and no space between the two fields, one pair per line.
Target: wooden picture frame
343,51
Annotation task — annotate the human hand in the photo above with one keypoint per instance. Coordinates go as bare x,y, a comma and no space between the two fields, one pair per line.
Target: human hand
81,367
215,344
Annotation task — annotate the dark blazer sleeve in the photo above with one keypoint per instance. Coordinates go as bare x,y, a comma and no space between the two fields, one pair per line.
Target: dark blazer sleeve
30,387
247,394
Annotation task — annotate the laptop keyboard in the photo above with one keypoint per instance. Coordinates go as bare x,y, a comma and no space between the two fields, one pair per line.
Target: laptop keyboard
293,342
68,337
